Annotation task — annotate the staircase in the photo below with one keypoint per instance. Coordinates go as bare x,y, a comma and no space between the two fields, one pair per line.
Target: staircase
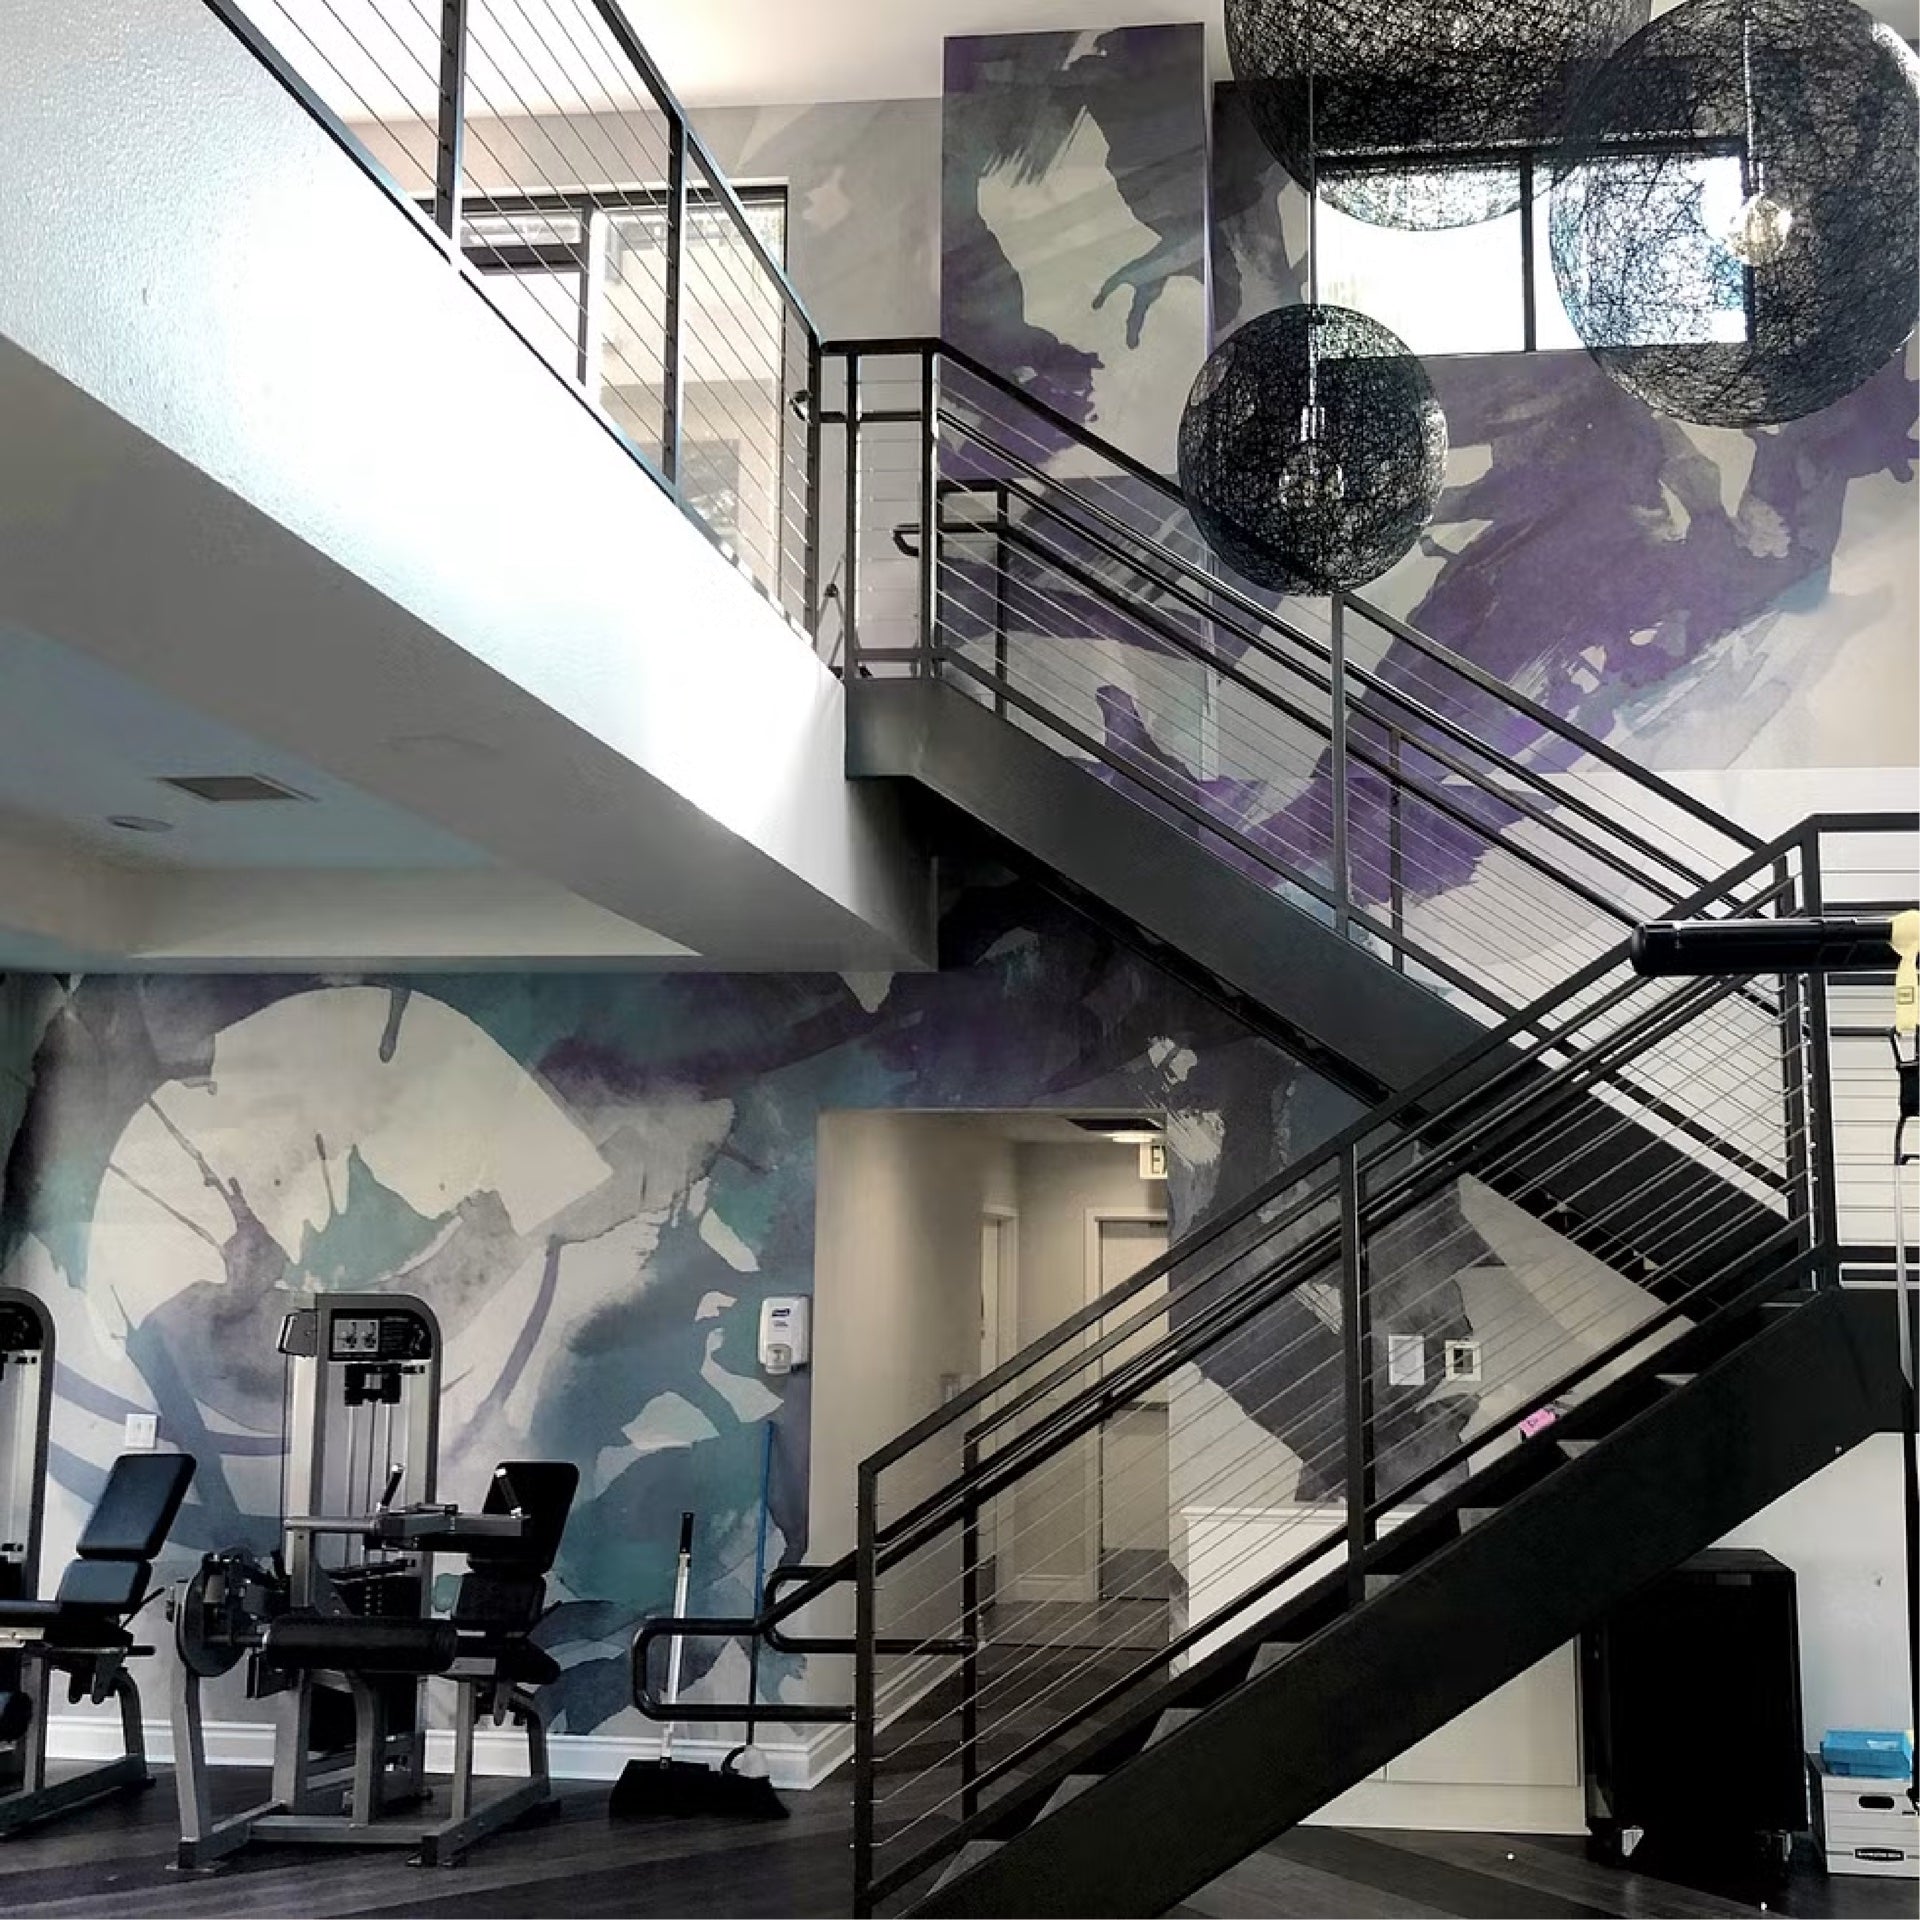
1560,1308
1388,854
1216,1761
1424,880
1346,1529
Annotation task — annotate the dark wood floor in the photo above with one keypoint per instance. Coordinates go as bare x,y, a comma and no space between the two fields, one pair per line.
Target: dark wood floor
114,1861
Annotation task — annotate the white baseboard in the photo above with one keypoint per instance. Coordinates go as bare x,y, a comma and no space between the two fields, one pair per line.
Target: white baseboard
799,1762
498,1752
1421,1806
797,1765
1039,1588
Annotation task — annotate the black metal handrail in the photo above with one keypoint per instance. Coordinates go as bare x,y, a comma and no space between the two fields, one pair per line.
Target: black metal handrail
1728,1269
1223,590
1429,719
1362,751
1495,1045
1038,1786
693,181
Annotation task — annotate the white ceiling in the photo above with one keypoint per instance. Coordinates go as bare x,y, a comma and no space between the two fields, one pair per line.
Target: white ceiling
769,52
376,60
80,741
774,52
340,878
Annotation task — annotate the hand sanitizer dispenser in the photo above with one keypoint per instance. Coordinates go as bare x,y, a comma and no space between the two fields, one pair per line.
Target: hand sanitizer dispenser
784,1331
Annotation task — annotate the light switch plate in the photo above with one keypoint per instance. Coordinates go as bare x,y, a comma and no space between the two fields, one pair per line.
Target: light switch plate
143,1432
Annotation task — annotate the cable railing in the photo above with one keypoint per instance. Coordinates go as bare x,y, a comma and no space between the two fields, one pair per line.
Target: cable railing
1243,1430
535,143
1246,1426
1455,829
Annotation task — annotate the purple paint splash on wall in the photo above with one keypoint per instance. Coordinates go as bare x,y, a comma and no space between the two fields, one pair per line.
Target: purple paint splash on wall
1015,104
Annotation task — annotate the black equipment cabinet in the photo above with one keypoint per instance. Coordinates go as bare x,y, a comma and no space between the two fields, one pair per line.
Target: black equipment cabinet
1690,1712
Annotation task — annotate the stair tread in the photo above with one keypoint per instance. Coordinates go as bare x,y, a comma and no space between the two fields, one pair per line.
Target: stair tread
1269,1653
1472,1516
1379,1583
1573,1449
1675,1379
969,1857
1171,1722
1071,1788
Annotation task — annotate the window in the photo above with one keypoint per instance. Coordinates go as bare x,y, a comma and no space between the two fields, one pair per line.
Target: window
1489,288
584,279
1442,290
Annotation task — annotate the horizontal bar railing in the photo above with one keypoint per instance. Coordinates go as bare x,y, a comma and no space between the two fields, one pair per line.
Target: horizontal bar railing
1133,1685
1497,1046
1225,592
1026,1424
537,146
1047,585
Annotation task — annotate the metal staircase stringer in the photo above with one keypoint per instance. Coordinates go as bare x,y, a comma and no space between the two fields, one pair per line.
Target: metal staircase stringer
1811,1383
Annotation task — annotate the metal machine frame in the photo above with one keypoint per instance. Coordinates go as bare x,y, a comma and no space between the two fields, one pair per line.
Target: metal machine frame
79,1634
26,1417
347,1372
26,1341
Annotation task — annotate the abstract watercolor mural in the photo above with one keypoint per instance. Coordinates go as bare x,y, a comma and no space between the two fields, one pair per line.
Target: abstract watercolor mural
1712,602
1073,221
1708,598
593,1180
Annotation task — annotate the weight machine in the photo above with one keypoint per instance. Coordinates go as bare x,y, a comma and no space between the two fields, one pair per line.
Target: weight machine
84,1631
338,1626
26,1413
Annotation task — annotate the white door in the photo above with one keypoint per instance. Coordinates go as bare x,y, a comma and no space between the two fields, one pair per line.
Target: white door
1130,1474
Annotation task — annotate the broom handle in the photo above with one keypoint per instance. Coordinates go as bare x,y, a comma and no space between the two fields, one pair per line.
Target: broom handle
681,1577
759,1575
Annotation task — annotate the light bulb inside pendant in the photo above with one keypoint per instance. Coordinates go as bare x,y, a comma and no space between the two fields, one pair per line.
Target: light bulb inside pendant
1310,472
1760,231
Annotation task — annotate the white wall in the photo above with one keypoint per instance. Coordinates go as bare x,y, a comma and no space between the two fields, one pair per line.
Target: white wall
896,1313
1840,1532
1059,1186
333,484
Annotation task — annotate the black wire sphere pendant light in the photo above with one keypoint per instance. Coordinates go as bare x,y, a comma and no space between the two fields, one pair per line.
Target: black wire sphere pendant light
1418,101
1734,212
1312,449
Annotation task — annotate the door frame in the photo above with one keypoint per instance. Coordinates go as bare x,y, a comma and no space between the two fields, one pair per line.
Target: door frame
1099,1218
1000,1329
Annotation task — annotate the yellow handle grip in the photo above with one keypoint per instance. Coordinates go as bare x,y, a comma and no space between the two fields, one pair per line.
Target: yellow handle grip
1906,976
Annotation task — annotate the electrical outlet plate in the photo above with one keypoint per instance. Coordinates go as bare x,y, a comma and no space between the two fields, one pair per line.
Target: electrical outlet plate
143,1432
1463,1360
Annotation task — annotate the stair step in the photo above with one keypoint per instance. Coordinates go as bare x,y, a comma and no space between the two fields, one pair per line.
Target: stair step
1171,1722
969,1857
1573,1449
1071,1788
1472,1516
1269,1653
1676,1379
1379,1583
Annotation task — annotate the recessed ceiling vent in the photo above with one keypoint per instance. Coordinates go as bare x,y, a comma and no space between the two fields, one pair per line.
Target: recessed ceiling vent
227,789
